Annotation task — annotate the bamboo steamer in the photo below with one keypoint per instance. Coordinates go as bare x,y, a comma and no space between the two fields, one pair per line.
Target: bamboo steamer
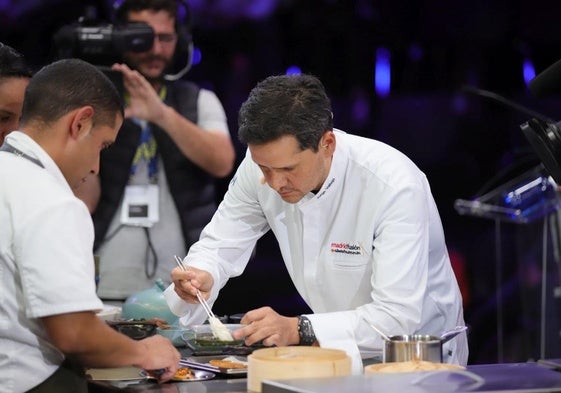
409,366
295,362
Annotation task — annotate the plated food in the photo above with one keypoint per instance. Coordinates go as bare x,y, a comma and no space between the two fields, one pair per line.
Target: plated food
183,374
231,365
219,330
227,363
205,343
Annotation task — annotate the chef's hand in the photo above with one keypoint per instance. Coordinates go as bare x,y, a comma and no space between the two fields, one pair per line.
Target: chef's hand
266,325
188,281
145,103
161,358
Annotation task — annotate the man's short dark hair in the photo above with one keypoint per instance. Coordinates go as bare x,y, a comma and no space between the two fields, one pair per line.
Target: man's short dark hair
121,15
12,63
68,84
286,105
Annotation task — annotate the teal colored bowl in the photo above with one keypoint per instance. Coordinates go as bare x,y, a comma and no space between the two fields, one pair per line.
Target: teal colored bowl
149,304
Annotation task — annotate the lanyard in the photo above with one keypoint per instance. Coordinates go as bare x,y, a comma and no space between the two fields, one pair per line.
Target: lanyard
147,149
10,149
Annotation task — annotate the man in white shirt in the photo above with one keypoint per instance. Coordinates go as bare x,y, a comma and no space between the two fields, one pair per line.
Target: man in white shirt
48,327
356,223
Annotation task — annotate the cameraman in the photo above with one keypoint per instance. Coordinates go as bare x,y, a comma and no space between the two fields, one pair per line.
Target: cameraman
155,189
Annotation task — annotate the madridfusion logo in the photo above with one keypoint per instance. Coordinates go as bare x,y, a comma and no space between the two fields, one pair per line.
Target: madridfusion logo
353,248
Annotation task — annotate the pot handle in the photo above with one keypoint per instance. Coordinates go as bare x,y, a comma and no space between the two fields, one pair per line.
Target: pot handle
475,379
449,334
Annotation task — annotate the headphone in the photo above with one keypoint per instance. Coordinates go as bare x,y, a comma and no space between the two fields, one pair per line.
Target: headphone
183,56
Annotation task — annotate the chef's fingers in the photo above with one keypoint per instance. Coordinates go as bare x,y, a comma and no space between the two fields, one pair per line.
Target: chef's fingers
257,315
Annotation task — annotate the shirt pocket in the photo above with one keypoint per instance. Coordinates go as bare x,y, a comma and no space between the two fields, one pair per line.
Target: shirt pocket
348,255
348,262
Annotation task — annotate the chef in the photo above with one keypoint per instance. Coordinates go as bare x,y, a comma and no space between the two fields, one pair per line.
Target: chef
356,223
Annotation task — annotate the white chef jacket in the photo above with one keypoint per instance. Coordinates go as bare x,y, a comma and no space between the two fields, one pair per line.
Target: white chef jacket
46,262
368,246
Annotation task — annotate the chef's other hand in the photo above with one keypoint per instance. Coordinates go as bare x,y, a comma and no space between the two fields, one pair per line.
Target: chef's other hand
188,281
160,354
266,325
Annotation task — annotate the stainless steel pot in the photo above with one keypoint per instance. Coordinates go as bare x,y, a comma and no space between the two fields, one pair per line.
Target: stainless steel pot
417,346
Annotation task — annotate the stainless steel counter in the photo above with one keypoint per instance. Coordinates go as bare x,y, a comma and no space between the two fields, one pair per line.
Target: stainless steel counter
543,376
514,377
215,386
511,377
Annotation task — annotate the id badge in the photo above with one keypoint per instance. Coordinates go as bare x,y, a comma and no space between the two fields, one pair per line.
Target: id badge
140,206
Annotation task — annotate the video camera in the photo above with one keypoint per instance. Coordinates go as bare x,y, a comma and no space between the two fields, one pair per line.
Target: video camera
101,44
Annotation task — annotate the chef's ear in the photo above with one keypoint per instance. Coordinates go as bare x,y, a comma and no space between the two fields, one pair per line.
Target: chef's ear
327,141
82,122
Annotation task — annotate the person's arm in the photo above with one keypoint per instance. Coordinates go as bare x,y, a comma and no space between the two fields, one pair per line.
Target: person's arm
225,245
212,150
85,337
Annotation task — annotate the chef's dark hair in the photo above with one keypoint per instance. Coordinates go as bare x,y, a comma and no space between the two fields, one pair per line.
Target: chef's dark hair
12,63
286,105
68,84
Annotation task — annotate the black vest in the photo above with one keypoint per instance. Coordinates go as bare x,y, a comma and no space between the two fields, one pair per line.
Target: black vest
192,189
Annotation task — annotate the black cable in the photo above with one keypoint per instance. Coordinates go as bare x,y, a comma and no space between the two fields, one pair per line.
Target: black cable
147,260
112,235
508,103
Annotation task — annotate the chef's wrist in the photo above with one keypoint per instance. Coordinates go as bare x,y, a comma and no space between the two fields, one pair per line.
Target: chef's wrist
306,331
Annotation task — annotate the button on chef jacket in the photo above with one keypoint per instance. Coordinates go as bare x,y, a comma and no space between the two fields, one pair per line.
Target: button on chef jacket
369,245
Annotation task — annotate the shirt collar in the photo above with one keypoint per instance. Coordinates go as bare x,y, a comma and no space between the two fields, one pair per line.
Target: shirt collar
27,145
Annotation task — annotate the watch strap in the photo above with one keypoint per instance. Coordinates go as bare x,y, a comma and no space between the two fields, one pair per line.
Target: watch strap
306,331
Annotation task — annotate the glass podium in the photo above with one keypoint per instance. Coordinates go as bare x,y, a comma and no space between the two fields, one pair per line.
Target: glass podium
525,199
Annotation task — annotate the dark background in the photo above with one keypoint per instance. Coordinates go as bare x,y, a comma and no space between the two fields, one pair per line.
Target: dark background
465,143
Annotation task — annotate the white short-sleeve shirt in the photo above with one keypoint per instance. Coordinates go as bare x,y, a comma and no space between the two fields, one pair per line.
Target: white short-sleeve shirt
46,262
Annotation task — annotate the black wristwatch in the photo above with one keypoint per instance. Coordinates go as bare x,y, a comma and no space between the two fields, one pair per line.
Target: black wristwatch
306,331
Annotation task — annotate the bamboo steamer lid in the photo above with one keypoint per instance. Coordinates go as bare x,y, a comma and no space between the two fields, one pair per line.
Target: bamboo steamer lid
295,362
409,366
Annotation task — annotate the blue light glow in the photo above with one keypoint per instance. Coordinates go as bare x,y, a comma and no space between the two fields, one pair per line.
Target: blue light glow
293,70
382,72
197,56
528,71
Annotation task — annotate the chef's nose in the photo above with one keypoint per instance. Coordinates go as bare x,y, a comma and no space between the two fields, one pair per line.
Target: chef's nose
276,180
